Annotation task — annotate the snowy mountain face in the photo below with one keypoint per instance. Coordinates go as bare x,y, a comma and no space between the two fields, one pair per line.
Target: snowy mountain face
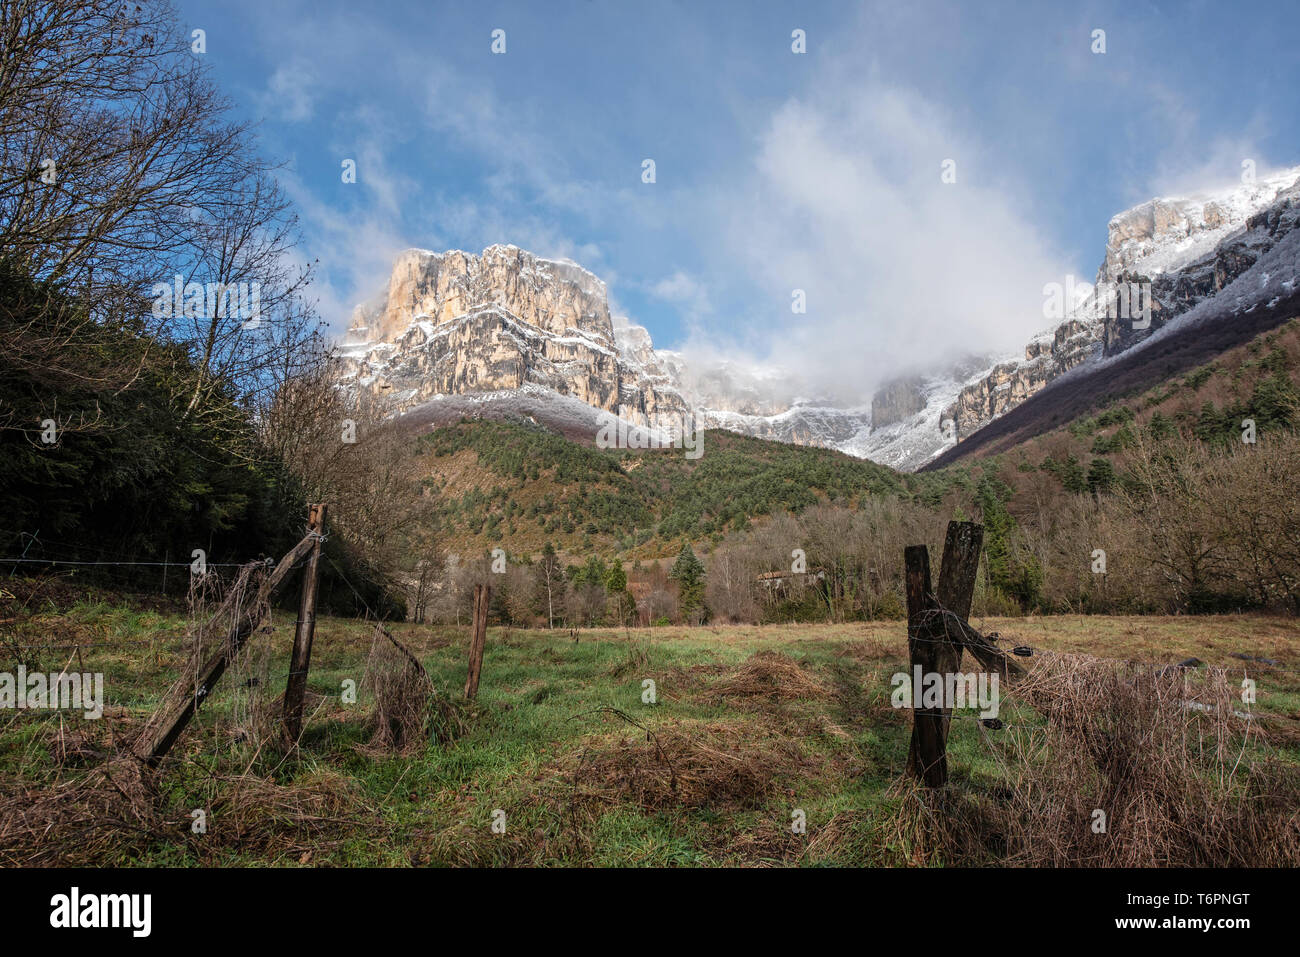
454,323
507,332
1163,258
510,329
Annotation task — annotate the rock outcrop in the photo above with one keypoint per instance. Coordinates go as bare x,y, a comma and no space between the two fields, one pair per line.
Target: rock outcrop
897,400
1175,292
1168,254
455,323
1009,383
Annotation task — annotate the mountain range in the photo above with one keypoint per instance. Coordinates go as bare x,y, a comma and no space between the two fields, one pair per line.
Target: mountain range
507,334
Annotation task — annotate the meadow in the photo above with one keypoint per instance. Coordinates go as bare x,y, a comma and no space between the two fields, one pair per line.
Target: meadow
764,745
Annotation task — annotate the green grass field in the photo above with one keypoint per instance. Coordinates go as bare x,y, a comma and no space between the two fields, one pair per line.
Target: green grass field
753,727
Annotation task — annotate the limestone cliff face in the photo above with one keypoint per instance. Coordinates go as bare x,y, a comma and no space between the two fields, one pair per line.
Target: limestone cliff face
1175,292
897,400
454,323
555,297
649,386
1009,383
1184,250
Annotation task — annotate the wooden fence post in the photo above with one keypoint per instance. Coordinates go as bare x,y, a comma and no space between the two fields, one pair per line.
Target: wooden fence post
191,690
478,639
935,642
300,661
925,756
961,560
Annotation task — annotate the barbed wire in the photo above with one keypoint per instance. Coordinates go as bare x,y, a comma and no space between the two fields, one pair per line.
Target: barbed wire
1028,651
67,561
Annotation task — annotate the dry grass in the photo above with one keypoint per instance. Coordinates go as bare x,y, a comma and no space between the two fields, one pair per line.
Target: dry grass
751,722
714,765
115,810
1159,752
79,822
251,813
771,674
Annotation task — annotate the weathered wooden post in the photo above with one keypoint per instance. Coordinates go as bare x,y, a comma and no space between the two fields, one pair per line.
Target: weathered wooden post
925,756
478,639
961,560
935,639
300,662
191,690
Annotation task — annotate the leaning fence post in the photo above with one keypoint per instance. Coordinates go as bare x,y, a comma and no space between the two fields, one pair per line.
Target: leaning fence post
478,639
191,690
300,662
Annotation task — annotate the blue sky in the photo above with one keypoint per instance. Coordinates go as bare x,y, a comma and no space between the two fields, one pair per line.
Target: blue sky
775,171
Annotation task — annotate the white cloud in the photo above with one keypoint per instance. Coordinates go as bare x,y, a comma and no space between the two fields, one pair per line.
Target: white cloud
900,270
289,94
685,292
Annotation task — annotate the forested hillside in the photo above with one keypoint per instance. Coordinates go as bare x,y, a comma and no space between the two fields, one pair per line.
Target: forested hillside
497,482
1177,498
155,321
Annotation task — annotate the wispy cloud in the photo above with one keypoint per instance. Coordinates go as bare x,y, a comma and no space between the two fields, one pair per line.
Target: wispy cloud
898,270
290,92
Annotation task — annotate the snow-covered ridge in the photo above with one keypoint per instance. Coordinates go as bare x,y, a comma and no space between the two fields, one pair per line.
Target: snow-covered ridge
503,322
1167,233
1182,250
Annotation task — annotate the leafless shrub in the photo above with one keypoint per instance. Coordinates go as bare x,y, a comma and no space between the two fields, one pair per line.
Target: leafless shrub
403,697
1162,753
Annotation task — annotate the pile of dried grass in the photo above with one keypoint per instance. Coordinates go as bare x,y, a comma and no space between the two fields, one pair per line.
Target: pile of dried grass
771,674
252,813
1161,752
112,814
715,766
95,819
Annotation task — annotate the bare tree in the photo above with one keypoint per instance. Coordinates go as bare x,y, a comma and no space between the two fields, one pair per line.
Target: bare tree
126,192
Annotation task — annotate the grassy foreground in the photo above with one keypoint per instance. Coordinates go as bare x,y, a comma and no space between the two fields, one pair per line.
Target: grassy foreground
753,728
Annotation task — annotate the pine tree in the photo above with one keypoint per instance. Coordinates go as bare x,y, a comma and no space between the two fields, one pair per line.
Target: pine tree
616,586
1101,476
1017,575
688,572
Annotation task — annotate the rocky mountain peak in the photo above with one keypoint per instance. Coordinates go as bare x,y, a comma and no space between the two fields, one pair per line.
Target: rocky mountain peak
455,323
1162,233
555,296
